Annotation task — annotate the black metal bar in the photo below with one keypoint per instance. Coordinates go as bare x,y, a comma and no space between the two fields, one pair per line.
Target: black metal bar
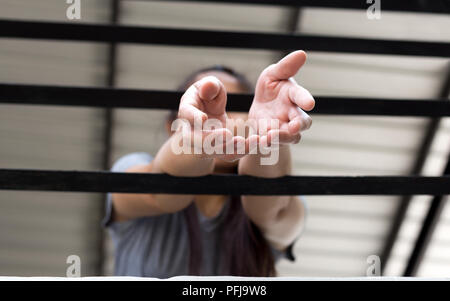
292,26
210,38
109,122
101,181
169,100
424,150
420,6
110,82
294,19
426,232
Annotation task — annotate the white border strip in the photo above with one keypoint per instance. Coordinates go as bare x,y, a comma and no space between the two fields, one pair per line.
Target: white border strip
222,278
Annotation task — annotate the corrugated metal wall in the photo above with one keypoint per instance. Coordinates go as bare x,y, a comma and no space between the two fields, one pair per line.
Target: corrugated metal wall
436,261
39,229
341,231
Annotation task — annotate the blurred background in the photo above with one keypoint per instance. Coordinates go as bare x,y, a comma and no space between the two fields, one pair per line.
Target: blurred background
38,230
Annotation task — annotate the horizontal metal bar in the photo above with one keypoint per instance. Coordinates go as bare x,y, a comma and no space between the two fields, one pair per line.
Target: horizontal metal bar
154,99
100,181
211,38
420,6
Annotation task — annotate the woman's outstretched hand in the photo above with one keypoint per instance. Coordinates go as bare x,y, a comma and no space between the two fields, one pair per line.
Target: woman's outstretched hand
203,104
279,97
206,98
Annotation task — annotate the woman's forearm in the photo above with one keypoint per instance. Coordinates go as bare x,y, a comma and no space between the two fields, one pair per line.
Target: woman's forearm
251,164
280,218
129,206
188,165
265,209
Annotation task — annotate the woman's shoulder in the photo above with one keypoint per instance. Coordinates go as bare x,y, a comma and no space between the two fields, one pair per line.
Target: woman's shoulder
155,226
131,159
142,223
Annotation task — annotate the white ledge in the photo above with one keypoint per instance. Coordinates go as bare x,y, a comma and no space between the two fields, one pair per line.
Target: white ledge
222,278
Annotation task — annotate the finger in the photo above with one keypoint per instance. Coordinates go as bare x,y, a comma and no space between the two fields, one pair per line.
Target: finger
287,66
220,136
214,138
243,146
240,145
252,144
298,120
212,91
297,138
275,137
263,142
208,87
234,148
301,97
192,114
208,90
190,106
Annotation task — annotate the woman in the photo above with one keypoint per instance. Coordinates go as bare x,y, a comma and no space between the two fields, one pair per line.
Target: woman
161,235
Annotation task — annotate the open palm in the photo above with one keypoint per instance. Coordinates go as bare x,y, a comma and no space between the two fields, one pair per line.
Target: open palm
205,101
279,97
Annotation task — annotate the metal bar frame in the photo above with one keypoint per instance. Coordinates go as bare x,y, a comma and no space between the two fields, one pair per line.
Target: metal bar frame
114,34
169,100
108,119
215,38
101,181
434,6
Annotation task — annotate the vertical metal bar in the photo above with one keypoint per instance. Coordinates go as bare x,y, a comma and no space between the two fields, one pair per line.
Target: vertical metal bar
110,82
292,25
108,120
294,19
424,150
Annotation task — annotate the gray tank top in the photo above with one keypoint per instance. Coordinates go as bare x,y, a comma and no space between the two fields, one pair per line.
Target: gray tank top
158,246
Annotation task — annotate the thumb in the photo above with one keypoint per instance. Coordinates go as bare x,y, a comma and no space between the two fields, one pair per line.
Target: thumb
208,88
212,93
288,66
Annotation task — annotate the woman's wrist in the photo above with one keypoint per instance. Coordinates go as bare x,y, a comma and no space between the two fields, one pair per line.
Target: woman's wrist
251,164
182,163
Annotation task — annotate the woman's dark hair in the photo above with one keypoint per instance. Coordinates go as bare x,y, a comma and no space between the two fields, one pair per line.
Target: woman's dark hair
245,84
245,251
